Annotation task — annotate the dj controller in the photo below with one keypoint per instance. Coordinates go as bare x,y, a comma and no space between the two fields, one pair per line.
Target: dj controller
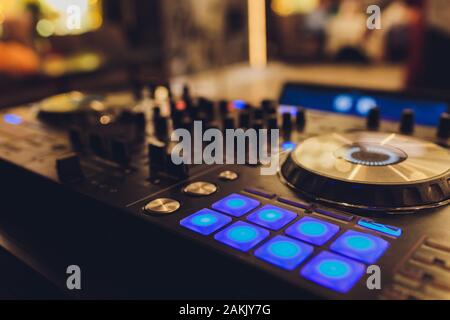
87,180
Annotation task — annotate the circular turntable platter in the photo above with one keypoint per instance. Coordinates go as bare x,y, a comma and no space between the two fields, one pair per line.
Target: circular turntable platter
367,170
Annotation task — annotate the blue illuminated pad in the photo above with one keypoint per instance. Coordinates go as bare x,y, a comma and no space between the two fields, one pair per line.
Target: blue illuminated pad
333,271
236,205
312,230
272,217
284,252
242,236
205,221
383,228
360,246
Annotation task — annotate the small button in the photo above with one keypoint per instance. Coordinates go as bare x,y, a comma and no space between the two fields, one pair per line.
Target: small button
200,189
284,252
297,203
162,206
242,236
228,175
236,205
313,231
388,230
205,221
335,215
333,271
272,217
360,246
438,244
407,282
260,193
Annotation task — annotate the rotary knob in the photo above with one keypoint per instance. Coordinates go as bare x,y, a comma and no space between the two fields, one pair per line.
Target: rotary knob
407,122
444,126
162,206
200,189
373,119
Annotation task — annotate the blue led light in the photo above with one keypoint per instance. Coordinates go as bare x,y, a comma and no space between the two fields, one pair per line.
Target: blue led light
360,246
288,146
365,104
343,103
312,230
284,252
236,205
282,109
391,156
205,221
12,119
239,104
242,236
272,217
389,230
333,271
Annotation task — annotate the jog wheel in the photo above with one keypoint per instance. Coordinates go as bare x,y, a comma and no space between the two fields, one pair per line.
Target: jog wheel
373,171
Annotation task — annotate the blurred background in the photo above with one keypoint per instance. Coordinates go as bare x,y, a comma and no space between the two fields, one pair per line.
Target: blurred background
223,47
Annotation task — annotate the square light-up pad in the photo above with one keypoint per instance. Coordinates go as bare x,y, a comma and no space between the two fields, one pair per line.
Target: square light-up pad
333,271
205,221
236,205
272,217
312,230
242,236
284,252
360,246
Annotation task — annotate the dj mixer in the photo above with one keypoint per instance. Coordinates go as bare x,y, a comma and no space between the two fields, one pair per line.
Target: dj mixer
88,180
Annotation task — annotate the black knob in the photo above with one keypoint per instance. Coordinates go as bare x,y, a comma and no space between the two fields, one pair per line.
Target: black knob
186,93
206,108
140,123
161,165
287,126
268,105
161,127
120,153
156,112
176,171
244,119
444,126
76,140
157,157
287,122
373,119
258,114
69,169
408,121
177,119
258,125
300,119
272,122
223,107
97,145
228,123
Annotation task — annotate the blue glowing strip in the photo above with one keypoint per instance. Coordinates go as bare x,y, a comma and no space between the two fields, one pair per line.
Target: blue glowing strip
389,230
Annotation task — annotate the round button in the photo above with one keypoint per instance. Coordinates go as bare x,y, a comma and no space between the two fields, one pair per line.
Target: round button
162,206
200,189
228,175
